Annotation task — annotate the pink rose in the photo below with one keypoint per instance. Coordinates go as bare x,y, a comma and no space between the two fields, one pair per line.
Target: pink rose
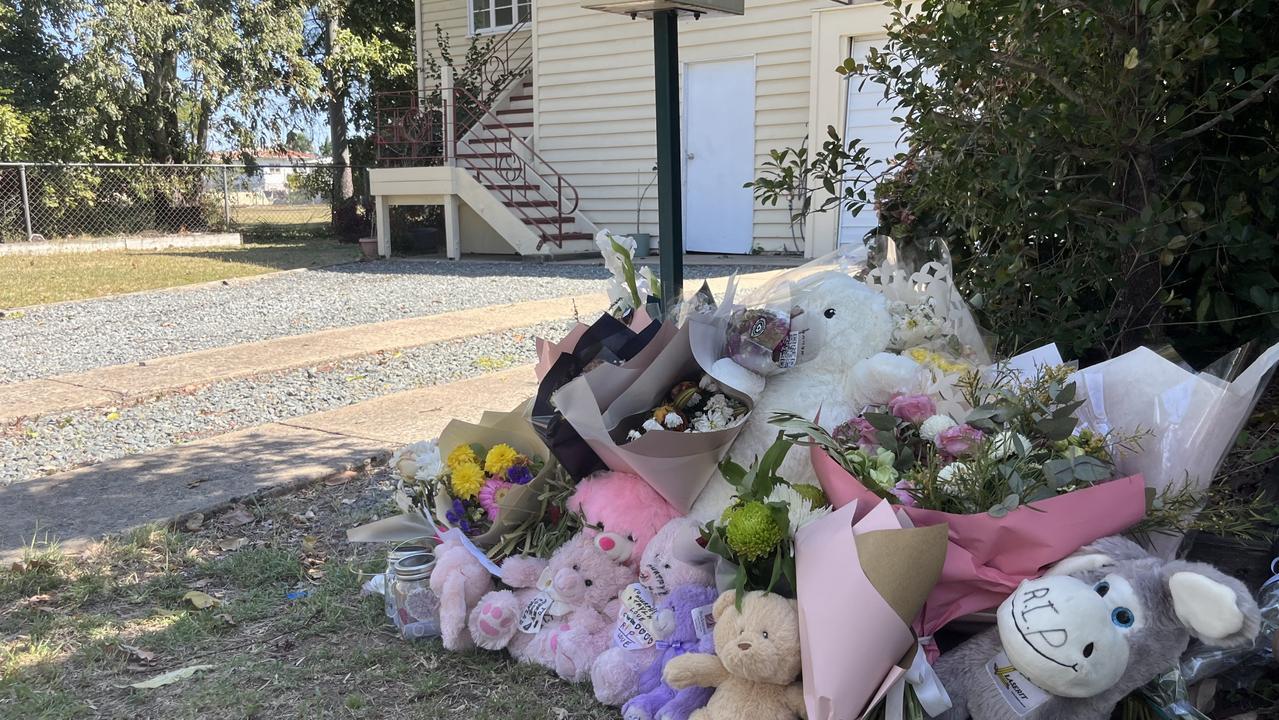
857,430
902,491
912,408
959,440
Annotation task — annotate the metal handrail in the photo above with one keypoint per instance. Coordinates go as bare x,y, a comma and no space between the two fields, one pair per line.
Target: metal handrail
501,52
517,167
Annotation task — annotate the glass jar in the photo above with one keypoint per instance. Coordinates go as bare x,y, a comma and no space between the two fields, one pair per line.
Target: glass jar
392,557
416,609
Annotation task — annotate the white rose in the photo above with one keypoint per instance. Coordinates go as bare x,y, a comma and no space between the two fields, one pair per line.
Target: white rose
933,426
1006,444
947,476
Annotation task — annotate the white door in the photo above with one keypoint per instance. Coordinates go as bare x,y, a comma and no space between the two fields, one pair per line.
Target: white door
869,117
719,155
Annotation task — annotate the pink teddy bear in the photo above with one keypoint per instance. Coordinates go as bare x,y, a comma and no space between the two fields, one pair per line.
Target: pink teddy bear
672,560
459,580
624,504
560,614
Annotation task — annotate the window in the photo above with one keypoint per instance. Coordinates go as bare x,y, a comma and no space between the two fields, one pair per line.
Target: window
490,16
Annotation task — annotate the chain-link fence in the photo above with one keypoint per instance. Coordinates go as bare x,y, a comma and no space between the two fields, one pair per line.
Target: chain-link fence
81,201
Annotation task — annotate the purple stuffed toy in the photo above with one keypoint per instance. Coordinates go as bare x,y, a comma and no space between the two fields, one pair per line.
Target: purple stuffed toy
676,615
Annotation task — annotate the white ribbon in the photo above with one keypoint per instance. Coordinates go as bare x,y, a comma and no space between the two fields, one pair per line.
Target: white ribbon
923,680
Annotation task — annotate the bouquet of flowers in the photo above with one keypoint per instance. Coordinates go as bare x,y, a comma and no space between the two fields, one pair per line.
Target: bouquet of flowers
755,537
468,488
493,480
1018,487
604,405
699,406
1019,444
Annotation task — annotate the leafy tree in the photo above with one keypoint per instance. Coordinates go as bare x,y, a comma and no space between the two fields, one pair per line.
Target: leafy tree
1103,170
299,142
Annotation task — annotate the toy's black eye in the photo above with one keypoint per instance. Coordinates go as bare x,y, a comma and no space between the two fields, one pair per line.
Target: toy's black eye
1102,588
576,568
589,583
1088,650
830,313
631,538
668,566
764,634
1122,617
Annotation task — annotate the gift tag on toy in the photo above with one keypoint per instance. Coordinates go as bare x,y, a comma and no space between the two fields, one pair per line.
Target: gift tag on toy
535,613
634,630
703,620
1016,689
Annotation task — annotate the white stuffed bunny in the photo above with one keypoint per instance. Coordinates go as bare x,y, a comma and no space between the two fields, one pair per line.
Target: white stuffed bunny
847,372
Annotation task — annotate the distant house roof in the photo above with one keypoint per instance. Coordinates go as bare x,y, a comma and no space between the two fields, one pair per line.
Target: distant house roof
284,155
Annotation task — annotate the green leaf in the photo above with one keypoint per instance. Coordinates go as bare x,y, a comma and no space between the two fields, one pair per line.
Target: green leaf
881,421
956,9
1130,60
1203,7
1057,428
732,472
777,571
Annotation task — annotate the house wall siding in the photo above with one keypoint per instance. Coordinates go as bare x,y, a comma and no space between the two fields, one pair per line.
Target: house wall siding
593,77
451,16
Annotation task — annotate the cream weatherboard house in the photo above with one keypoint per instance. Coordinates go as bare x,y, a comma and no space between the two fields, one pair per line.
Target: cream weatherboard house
568,146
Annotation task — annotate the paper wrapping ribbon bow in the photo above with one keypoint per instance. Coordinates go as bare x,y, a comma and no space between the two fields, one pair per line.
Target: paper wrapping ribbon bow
923,679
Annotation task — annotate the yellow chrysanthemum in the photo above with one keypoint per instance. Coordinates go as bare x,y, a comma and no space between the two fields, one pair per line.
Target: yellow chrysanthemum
467,480
500,459
462,455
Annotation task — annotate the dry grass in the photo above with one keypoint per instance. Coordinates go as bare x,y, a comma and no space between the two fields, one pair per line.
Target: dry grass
33,280
76,632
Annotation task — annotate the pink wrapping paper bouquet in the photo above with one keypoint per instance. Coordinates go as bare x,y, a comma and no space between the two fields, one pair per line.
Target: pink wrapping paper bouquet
821,535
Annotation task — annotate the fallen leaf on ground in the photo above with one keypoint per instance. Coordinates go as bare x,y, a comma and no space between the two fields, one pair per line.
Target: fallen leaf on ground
224,617
170,677
308,543
341,478
145,657
315,574
239,515
201,600
230,544
195,522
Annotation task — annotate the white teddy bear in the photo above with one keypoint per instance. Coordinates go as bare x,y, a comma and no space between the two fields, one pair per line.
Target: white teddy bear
848,371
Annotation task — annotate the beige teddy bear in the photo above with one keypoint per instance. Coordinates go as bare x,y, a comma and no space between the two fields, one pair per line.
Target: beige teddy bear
756,663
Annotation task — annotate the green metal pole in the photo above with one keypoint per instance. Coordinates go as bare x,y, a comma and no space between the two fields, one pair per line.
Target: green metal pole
670,223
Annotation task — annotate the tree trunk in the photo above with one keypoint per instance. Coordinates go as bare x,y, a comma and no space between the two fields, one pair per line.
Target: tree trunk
343,183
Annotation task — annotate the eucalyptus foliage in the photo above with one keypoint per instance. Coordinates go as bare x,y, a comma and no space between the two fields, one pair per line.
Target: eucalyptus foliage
1103,170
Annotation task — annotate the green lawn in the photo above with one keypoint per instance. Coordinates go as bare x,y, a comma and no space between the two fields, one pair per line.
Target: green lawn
75,633
33,280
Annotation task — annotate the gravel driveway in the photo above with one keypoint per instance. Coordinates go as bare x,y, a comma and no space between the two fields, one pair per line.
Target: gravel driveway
62,441
77,336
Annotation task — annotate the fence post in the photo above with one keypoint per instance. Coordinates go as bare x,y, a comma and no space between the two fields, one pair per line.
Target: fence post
448,99
226,201
26,200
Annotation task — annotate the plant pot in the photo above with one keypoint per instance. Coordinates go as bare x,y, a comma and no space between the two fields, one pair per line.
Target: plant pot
643,244
368,246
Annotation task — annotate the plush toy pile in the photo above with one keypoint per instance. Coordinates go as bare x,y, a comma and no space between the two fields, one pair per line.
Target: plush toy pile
880,478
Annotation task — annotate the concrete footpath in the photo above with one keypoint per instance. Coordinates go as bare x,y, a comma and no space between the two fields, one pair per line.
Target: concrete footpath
78,506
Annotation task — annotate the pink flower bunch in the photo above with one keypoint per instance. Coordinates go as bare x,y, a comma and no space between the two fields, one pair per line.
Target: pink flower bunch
857,430
914,409
959,440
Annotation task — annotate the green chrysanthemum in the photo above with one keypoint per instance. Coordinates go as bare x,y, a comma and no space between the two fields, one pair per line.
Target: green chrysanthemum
812,494
752,532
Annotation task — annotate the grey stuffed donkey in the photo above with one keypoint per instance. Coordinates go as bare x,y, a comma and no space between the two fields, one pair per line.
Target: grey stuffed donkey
1100,624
